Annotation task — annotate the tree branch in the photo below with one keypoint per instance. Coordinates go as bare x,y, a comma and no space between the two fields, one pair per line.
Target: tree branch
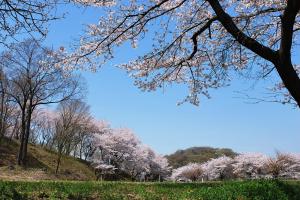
250,43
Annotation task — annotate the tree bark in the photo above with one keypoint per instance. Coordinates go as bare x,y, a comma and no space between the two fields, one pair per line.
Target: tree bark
2,121
58,161
284,65
27,133
23,127
59,156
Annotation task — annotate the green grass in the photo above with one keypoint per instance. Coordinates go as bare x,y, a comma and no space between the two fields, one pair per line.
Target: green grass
41,164
246,190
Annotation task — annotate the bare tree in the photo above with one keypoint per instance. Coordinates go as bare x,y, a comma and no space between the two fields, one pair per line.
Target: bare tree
46,129
85,142
73,117
15,128
82,141
6,108
40,128
33,81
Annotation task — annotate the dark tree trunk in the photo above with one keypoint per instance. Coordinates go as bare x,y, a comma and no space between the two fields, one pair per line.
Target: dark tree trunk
3,110
290,79
16,130
80,150
74,152
284,65
22,139
2,115
59,155
28,125
68,149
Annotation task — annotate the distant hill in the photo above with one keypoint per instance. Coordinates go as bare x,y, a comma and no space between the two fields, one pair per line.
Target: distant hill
41,165
197,154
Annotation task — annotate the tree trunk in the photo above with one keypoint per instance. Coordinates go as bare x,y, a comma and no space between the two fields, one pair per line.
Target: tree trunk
16,130
74,151
80,150
290,79
284,64
43,142
282,58
68,149
2,115
3,110
27,134
23,127
58,162
59,155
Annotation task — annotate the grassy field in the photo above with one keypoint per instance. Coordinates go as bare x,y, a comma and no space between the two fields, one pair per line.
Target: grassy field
256,190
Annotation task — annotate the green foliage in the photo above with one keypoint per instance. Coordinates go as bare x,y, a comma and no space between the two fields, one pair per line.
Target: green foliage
246,190
197,154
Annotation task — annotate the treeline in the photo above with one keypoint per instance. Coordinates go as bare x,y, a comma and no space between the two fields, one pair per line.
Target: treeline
243,166
30,79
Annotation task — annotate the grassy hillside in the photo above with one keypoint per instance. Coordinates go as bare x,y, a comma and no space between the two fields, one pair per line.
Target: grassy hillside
197,154
258,190
41,165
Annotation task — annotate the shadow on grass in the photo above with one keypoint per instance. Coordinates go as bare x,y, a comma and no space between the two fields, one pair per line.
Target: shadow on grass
291,188
8,155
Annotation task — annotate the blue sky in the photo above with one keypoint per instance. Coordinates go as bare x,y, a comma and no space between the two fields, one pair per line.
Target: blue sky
223,121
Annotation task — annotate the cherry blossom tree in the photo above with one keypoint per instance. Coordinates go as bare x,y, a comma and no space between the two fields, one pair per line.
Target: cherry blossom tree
189,172
122,149
243,166
102,170
199,43
138,166
250,166
117,147
218,169
215,169
288,164
145,164
159,167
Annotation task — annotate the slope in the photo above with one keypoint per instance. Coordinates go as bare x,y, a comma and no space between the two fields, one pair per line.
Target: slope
41,165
